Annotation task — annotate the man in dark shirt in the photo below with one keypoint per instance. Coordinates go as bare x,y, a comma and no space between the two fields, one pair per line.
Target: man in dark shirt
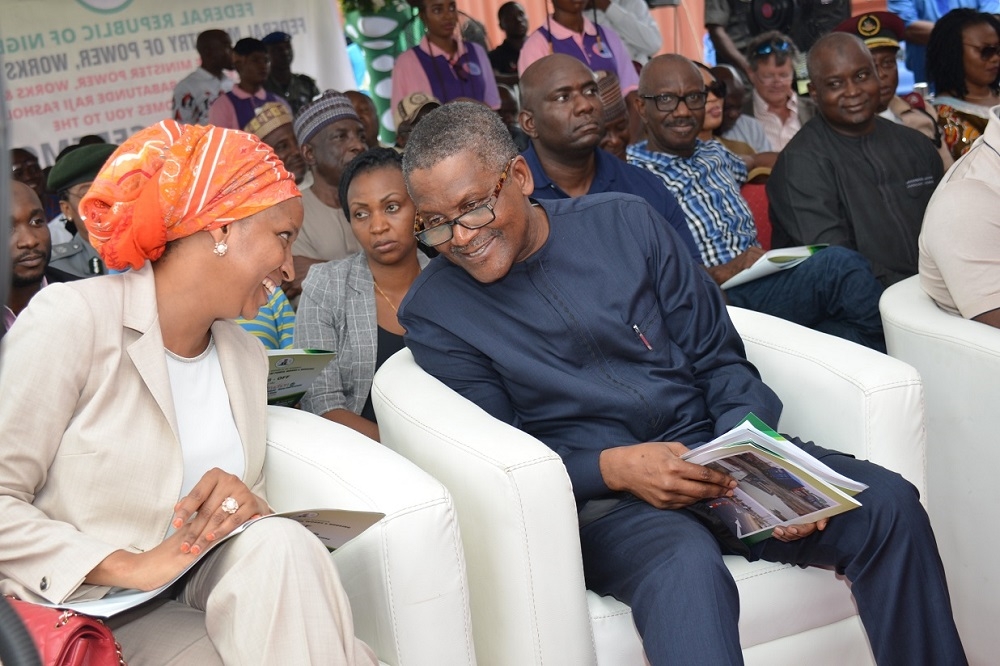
514,23
620,366
563,115
849,177
297,89
728,26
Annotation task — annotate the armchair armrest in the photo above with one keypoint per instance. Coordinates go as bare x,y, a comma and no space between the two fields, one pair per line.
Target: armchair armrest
959,360
405,576
518,516
840,394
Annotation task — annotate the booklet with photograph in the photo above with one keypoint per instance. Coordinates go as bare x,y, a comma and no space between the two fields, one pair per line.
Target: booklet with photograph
773,261
292,372
334,527
779,483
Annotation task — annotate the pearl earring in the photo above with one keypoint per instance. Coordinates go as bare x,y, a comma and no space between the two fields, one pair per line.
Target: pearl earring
220,249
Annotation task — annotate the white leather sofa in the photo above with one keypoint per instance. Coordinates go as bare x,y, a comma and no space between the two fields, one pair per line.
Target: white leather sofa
959,363
405,576
518,517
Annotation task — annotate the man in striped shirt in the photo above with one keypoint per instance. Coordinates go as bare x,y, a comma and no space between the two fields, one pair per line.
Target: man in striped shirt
834,291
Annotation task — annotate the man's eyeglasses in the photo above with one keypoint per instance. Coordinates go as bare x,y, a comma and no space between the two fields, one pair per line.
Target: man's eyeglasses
778,46
439,230
668,102
986,53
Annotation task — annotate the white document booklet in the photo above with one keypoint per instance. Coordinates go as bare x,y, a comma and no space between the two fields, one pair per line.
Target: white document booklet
773,261
334,527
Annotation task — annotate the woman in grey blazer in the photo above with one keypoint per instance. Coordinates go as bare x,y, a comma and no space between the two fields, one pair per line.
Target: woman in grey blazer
349,306
133,416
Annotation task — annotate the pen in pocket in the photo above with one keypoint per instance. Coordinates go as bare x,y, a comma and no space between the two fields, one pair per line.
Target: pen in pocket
642,338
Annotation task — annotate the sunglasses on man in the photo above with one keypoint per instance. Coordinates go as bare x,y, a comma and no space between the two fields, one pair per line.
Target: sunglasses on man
777,46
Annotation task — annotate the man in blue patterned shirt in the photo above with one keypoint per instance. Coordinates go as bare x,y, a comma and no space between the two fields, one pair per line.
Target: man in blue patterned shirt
834,291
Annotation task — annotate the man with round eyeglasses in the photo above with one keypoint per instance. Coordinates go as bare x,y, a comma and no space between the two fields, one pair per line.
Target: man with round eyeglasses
435,229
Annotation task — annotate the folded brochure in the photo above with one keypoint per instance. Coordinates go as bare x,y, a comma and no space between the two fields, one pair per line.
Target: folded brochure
772,262
334,527
292,371
779,483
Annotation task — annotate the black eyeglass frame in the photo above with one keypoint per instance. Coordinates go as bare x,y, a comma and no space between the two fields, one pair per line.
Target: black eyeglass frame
668,102
426,235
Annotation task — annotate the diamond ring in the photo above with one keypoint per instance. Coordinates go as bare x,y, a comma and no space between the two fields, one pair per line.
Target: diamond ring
230,505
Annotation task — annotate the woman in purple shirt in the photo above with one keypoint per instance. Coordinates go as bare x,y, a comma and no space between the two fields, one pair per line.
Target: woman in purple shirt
568,31
443,64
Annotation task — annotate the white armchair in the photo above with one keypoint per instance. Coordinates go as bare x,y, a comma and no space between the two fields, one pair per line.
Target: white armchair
518,516
405,576
959,363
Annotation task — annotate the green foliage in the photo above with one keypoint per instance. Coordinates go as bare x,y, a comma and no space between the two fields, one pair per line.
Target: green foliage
373,7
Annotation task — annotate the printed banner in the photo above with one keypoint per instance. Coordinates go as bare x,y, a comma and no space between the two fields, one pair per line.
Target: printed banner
109,67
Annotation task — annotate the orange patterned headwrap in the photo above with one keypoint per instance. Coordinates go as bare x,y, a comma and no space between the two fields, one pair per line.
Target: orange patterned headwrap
169,181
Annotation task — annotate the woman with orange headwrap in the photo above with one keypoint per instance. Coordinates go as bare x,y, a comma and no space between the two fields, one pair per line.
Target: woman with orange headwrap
133,415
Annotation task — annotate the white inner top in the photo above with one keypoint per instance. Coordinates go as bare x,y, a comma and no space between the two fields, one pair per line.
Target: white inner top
208,433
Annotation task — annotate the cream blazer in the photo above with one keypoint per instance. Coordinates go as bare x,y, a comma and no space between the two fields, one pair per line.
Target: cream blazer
90,460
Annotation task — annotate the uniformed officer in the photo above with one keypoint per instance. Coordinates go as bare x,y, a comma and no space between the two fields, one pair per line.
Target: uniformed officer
70,178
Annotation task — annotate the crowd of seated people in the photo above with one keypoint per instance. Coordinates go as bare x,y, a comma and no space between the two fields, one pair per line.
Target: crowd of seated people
592,113
836,183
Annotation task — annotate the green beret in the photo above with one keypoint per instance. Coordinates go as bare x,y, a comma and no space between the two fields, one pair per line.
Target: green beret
80,165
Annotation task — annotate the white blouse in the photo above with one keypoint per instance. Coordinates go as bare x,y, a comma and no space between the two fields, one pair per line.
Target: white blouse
205,422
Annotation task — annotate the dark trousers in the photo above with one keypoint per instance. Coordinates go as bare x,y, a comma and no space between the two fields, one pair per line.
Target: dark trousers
834,291
669,569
